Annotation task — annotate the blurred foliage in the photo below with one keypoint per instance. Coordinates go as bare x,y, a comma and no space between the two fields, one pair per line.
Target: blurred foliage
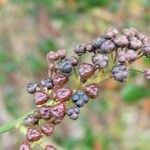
132,93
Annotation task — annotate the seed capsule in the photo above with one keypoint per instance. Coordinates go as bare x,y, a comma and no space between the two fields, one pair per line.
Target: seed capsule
146,49
61,53
30,120
25,146
58,111
63,94
40,98
47,129
111,33
89,47
135,43
65,66
52,56
80,49
131,55
121,41
33,134
73,113
121,56
50,147
86,70
147,74
80,98
32,88
107,47
120,72
74,61
97,42
60,79
92,90
129,32
48,83
45,112
100,60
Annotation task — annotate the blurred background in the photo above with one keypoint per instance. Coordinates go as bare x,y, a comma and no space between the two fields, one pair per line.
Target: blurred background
120,118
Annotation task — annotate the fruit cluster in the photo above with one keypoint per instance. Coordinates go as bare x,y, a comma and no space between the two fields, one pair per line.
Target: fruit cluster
71,83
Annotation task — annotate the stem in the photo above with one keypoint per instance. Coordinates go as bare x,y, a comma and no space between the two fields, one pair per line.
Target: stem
13,124
136,70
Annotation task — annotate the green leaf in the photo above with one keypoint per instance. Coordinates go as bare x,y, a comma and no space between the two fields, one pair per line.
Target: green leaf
36,64
133,93
46,45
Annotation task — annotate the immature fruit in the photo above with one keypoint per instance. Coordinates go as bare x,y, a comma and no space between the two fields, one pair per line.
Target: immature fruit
61,53
100,60
74,61
30,120
89,47
107,47
65,66
60,79
97,42
135,43
50,147
52,56
47,129
141,36
73,113
79,98
63,94
36,114
33,134
121,56
121,41
120,72
58,111
45,112
146,49
86,70
80,49
48,83
147,74
32,87
25,146
111,33
92,90
40,98
129,32
131,55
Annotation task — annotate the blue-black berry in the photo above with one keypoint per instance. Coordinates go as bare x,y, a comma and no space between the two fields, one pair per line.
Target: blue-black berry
48,83
120,72
79,98
73,113
65,66
32,88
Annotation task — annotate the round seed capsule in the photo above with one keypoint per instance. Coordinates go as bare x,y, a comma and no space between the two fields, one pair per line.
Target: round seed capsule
47,129
32,88
33,134
40,98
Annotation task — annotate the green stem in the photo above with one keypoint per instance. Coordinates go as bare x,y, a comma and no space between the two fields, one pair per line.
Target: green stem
13,124
136,70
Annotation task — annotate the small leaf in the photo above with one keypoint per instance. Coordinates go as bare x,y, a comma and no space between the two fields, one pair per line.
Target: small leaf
133,93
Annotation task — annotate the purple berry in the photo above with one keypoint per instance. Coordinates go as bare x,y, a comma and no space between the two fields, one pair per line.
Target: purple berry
106,47
100,60
120,72
65,66
48,83
79,98
73,113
